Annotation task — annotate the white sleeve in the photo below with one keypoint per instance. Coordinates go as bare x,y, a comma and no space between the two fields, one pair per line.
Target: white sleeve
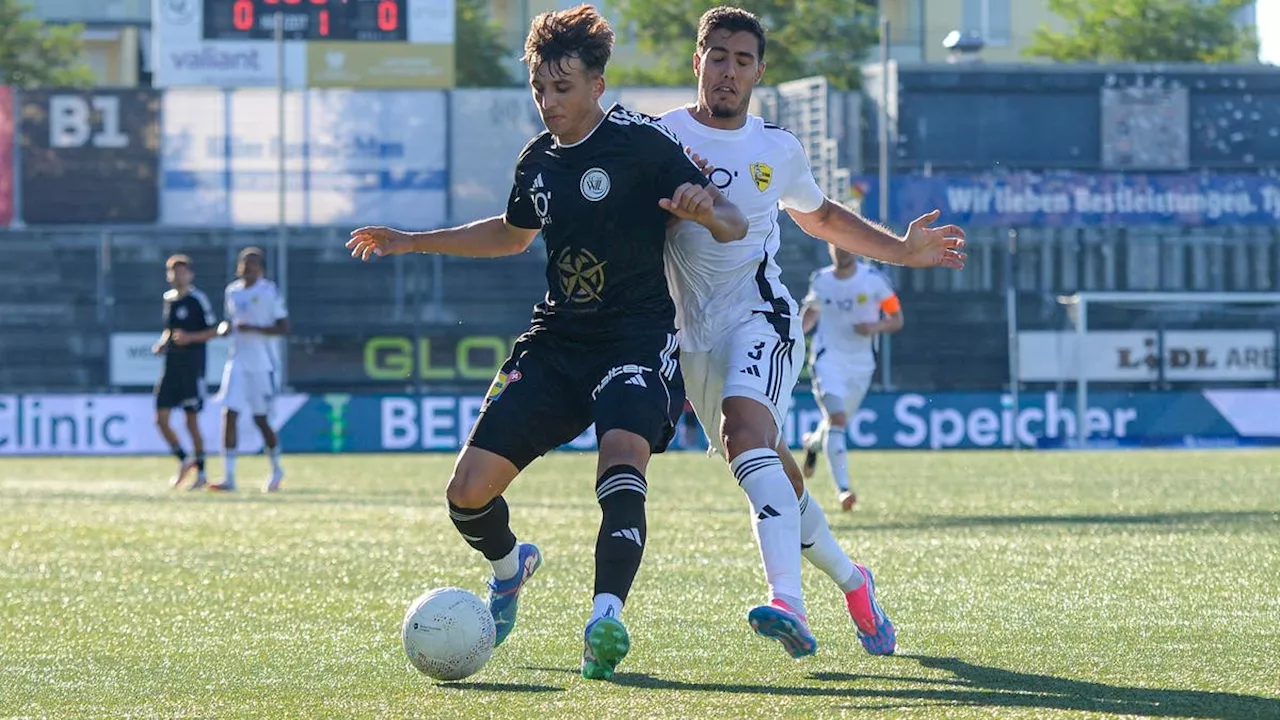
279,310
812,297
802,193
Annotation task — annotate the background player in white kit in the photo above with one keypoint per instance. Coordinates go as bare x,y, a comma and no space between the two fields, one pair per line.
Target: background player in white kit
256,316
851,303
740,335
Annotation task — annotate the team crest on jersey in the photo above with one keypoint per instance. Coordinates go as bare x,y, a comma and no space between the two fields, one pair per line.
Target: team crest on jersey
862,298
581,275
595,184
181,313
762,174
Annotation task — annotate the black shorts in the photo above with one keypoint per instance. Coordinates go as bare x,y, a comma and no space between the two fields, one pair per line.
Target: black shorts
549,391
181,387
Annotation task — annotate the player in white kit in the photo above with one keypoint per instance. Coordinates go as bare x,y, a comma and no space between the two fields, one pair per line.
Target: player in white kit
740,335
255,318
851,303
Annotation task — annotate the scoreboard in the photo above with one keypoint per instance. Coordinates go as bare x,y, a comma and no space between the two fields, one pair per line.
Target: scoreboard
358,20
384,44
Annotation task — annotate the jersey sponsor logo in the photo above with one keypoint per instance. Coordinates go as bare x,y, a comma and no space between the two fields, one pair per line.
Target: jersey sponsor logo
594,184
581,275
721,178
628,369
762,175
541,198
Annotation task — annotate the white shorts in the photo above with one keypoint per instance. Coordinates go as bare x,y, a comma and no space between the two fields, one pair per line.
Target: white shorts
839,387
756,360
250,392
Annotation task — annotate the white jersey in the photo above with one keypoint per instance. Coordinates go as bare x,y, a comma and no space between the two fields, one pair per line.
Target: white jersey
844,303
259,305
716,286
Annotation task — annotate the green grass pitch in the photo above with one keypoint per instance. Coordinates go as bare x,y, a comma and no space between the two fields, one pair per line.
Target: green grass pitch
1023,585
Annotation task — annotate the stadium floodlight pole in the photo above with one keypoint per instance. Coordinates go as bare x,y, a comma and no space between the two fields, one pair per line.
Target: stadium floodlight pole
886,352
282,229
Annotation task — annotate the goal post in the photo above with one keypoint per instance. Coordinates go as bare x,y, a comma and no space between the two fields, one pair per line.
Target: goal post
1241,317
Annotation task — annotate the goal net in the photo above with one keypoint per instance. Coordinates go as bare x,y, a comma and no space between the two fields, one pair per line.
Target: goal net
1202,366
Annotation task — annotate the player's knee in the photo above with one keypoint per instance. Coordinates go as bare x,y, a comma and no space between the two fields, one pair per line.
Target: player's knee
742,432
622,447
162,418
839,420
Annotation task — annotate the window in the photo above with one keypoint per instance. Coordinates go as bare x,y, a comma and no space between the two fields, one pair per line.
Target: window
992,19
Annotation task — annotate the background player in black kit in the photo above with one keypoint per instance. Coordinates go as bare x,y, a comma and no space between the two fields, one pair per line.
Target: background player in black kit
188,324
601,186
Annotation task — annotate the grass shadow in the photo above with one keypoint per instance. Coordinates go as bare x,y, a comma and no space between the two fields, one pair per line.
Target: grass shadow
990,687
1216,519
499,687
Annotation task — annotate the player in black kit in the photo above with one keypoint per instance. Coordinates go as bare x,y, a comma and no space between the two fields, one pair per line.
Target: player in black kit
601,187
188,324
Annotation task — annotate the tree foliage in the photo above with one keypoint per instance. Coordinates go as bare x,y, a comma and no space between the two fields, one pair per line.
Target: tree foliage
1146,31
482,56
810,37
33,54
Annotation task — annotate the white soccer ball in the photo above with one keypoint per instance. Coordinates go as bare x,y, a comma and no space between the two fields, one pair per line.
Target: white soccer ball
448,633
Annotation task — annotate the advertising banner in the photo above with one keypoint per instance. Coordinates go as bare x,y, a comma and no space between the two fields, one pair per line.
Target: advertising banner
335,423
1069,199
351,158
6,156
359,423
132,364
372,66
183,57
1134,356
115,425
90,156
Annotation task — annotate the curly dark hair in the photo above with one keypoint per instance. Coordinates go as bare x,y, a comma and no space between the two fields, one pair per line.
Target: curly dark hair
734,20
557,37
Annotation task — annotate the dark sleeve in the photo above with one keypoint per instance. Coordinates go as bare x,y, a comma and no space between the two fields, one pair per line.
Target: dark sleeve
520,212
202,314
672,167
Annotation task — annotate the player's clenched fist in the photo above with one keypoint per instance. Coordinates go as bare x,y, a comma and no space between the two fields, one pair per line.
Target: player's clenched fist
376,240
690,202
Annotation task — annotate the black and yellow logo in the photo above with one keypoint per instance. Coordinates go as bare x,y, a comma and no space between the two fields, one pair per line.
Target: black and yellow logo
762,174
581,275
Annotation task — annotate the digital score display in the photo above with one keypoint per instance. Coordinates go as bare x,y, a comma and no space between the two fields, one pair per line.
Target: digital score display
360,20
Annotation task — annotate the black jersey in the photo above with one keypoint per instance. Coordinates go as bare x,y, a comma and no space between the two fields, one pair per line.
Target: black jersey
596,203
190,313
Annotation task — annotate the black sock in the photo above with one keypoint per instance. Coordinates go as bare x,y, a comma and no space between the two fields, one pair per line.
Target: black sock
200,461
179,453
620,544
487,529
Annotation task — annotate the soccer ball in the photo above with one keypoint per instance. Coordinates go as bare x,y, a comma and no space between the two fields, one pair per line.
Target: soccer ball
448,633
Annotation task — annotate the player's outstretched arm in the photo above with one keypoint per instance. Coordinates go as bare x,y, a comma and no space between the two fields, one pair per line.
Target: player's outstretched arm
492,237
709,209
922,247
809,320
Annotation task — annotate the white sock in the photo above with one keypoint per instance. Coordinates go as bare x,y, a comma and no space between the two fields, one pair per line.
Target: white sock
605,605
505,568
229,464
775,518
819,546
838,456
274,453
